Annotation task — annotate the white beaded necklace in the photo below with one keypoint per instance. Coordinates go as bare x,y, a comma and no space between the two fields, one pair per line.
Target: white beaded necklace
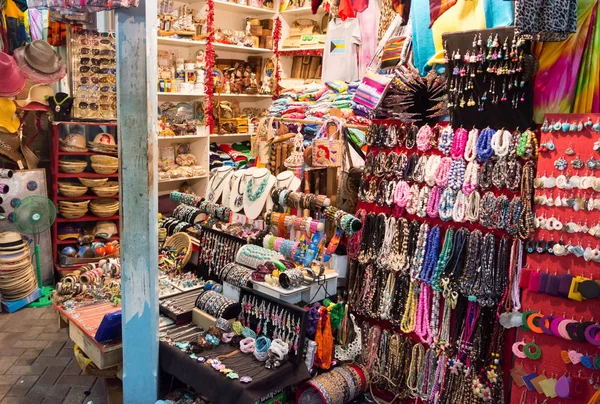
501,142
473,207
460,206
471,149
431,168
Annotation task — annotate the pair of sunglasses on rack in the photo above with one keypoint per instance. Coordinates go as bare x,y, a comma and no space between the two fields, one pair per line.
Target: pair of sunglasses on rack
97,80
97,52
96,69
94,106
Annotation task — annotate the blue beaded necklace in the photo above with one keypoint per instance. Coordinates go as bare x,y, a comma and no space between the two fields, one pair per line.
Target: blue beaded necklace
252,196
456,176
484,145
447,204
431,256
445,140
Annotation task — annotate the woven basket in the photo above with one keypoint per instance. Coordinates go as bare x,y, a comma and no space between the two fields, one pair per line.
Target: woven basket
178,241
103,169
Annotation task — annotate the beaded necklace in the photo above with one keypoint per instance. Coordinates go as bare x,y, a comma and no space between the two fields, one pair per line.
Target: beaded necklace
471,175
486,207
413,199
441,175
400,168
456,176
501,142
485,177
483,289
431,255
411,136
470,151
388,238
423,135
401,194
431,168
419,171
457,256
433,202
447,204
385,305
419,255
407,324
459,209
473,202
422,318
422,203
484,145
400,292
526,222
445,140
471,274
513,174
411,246
391,138
514,213
443,259
459,143
411,164
404,237
435,317
499,173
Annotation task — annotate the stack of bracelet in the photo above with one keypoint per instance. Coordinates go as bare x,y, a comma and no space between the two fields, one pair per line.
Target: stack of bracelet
291,278
252,255
284,221
217,305
341,385
188,199
216,249
219,211
284,198
345,221
175,225
187,213
286,247
236,274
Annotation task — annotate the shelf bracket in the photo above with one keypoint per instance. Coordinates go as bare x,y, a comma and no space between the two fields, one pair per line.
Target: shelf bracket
137,115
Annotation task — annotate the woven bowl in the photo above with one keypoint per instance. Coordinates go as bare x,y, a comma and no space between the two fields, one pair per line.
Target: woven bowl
180,240
104,203
73,205
107,190
102,169
104,213
72,215
71,169
93,182
69,193
105,160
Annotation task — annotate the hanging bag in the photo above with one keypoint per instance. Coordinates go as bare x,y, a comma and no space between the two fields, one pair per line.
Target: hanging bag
371,90
261,142
350,351
327,150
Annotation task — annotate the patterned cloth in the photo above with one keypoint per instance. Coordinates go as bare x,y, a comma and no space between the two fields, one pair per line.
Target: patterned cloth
568,80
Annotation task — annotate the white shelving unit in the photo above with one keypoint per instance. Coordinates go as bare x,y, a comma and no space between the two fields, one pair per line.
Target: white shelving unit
228,16
287,19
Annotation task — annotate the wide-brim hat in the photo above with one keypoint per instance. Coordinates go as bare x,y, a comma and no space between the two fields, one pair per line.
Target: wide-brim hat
37,97
10,146
8,120
29,59
12,79
14,250
10,239
11,258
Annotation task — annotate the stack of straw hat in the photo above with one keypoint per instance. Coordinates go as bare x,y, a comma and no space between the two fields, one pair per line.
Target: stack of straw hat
17,275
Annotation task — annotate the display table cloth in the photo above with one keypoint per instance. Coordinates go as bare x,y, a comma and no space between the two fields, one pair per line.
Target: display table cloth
219,389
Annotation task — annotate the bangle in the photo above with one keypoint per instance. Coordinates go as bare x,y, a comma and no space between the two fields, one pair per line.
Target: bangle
531,323
546,320
247,345
592,334
562,329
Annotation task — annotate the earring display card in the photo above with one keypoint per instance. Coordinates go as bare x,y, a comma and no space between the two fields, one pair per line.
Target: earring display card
489,76
93,75
275,319
567,207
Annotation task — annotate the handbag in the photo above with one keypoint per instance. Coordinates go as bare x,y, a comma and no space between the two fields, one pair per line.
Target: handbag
350,351
392,52
261,142
371,90
327,151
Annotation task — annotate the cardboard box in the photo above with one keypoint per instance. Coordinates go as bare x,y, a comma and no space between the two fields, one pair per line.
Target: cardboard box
256,30
269,42
267,24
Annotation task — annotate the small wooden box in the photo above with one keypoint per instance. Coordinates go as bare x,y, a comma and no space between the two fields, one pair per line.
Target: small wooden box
255,41
269,42
262,42
256,30
267,24
267,32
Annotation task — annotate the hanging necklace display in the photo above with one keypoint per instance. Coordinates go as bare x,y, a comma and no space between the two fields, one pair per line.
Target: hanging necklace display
254,195
215,191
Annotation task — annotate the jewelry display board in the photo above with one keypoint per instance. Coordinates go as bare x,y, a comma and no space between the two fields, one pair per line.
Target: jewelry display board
274,319
93,75
564,162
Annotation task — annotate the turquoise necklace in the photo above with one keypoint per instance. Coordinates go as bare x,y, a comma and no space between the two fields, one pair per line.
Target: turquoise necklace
253,196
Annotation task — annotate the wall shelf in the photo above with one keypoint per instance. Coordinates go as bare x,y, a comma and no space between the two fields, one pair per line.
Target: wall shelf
163,40
195,95
100,240
176,138
165,181
241,49
304,48
84,197
297,11
86,218
239,8
87,175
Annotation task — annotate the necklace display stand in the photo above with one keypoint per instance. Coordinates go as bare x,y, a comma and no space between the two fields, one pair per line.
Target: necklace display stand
253,209
218,183
238,189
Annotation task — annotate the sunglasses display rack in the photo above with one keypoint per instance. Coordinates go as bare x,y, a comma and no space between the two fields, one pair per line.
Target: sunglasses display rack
93,74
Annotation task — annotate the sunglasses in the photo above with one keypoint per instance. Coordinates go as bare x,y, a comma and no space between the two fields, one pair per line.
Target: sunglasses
94,69
92,106
97,62
87,88
87,80
97,52
108,107
108,88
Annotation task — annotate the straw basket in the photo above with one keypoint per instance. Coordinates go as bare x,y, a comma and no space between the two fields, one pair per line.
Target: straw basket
178,241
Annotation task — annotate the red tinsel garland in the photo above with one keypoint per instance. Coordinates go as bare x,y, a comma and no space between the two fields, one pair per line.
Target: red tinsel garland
307,52
276,39
209,58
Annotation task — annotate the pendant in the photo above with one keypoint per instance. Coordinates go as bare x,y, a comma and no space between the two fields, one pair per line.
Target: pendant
57,108
238,201
211,195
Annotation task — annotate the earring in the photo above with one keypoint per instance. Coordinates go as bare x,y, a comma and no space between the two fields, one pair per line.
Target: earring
560,164
577,163
569,150
547,146
596,126
588,123
532,351
558,125
518,349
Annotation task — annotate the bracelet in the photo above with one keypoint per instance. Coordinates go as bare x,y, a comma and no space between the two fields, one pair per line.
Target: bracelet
247,345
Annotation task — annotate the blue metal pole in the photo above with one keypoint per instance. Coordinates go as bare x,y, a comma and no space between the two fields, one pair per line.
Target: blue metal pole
137,116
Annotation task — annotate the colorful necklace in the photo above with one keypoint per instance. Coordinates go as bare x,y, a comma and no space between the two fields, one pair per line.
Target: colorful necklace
253,196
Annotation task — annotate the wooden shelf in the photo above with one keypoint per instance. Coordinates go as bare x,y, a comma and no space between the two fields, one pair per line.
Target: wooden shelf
239,8
86,218
87,175
87,153
243,95
182,179
84,197
241,49
162,40
229,137
304,48
300,11
85,123
176,138
101,240
197,95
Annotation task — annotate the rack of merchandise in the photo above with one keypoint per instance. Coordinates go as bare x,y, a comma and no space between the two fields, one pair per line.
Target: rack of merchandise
89,130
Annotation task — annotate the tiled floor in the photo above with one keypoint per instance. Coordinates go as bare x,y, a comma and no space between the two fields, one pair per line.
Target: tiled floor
37,364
